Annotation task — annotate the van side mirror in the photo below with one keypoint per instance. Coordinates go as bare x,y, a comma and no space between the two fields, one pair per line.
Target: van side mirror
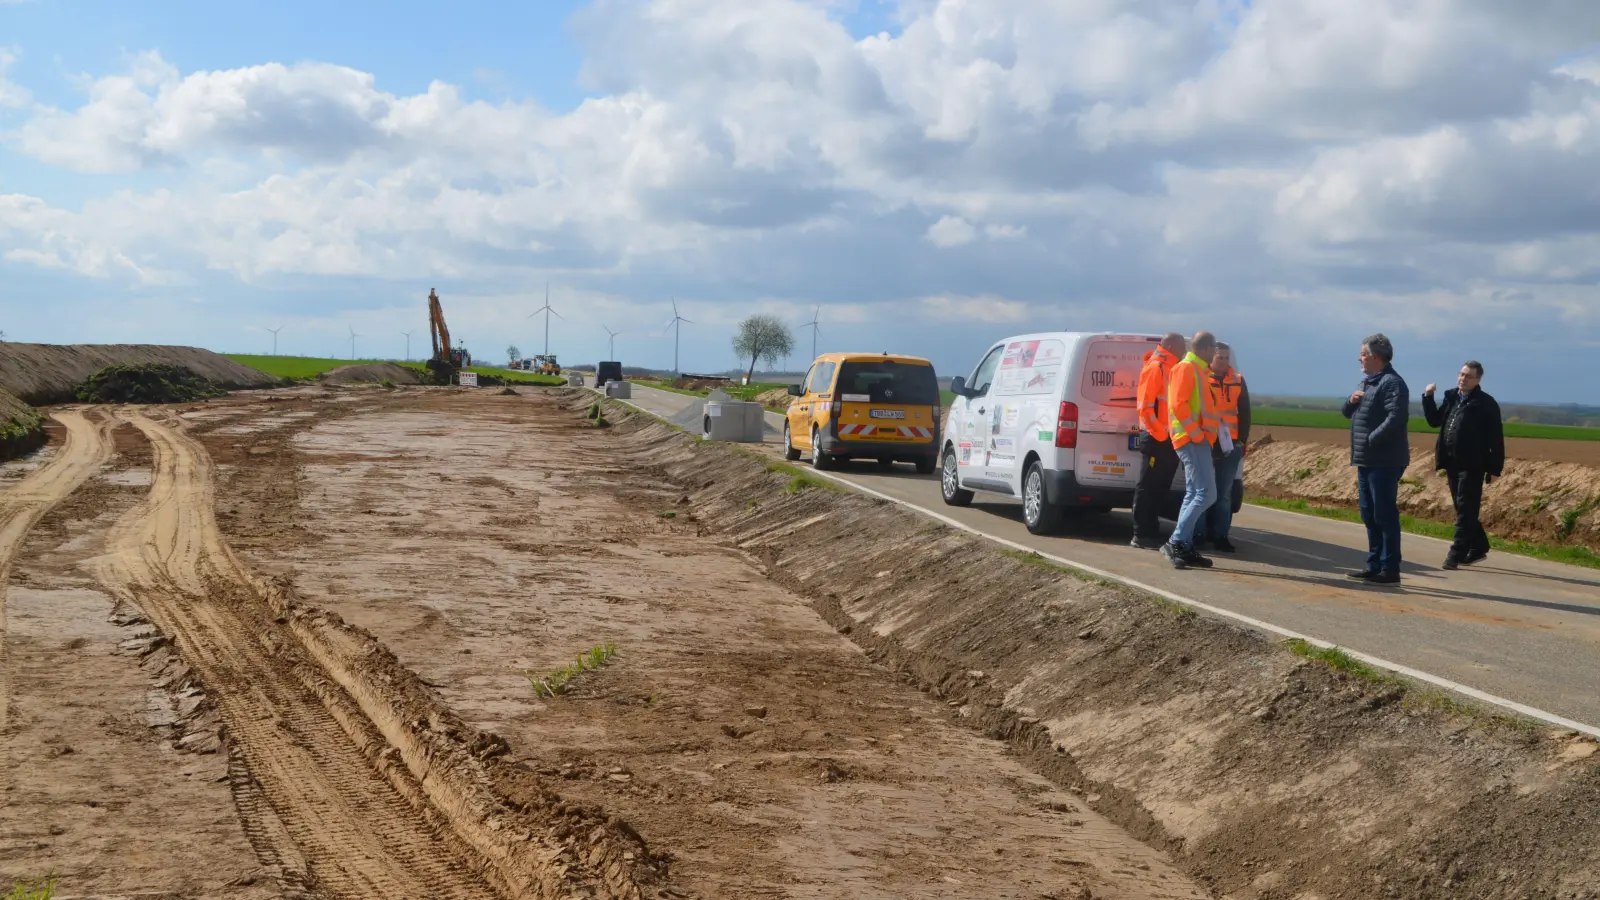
796,390
958,386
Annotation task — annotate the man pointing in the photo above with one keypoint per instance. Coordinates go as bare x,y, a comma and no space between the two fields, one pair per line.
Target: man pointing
1471,450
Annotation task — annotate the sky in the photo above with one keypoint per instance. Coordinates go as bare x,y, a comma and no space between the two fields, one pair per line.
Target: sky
922,176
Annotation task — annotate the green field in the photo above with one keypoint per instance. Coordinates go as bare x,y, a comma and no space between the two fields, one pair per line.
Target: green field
1315,418
298,367
303,368
736,391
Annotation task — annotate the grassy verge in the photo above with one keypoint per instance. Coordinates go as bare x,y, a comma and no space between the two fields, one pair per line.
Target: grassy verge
736,391
1318,418
1561,553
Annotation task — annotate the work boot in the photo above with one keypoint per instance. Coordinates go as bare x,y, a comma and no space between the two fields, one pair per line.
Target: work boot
1178,556
1450,561
1223,545
1474,556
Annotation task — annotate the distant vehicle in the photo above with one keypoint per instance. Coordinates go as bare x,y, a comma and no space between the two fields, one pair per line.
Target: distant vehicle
607,371
546,364
1051,418
865,406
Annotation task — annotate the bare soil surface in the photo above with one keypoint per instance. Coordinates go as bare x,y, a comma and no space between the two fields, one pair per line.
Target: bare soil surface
1581,453
47,373
1546,502
734,729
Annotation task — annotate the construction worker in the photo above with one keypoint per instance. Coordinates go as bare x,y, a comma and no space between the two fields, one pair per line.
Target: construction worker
1232,398
1159,462
1194,427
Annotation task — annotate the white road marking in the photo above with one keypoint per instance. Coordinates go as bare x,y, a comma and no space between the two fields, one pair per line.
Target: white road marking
1378,662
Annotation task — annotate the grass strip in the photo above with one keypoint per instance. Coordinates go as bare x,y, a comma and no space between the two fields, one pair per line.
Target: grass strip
1560,553
32,889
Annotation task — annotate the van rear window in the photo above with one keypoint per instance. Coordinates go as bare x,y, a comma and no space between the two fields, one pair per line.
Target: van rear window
888,382
1111,372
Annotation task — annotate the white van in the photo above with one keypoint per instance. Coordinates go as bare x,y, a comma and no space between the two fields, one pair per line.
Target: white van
1052,418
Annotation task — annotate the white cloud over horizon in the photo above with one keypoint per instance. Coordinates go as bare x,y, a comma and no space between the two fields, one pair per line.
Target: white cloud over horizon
1284,170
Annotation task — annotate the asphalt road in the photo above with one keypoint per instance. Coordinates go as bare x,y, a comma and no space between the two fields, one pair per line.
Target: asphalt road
1521,629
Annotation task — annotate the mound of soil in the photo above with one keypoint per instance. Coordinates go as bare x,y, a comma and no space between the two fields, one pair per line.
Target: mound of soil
147,384
21,429
1545,502
777,398
42,374
372,373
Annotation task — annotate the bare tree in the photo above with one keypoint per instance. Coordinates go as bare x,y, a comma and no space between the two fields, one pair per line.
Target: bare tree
762,337
514,353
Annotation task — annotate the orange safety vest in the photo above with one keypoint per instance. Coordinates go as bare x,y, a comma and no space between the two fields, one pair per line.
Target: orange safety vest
1152,393
1194,406
1225,393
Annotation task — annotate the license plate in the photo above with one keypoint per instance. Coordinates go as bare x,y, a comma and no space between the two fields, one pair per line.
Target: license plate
888,414
1133,442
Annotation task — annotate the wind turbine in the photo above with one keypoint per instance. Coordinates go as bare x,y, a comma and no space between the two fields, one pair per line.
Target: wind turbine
677,329
611,351
353,337
814,328
408,344
549,311
275,339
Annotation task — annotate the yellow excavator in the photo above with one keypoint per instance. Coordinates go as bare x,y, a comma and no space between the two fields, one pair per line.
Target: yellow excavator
446,360
546,364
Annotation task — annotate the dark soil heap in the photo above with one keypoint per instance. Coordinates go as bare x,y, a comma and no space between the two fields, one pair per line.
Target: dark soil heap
146,384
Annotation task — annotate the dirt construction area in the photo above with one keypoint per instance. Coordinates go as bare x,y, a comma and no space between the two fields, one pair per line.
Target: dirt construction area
348,642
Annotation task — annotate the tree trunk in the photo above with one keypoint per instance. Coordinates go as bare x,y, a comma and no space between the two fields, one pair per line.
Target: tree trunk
750,375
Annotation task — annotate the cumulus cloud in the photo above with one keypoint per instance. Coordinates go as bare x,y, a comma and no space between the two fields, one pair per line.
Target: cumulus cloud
1270,161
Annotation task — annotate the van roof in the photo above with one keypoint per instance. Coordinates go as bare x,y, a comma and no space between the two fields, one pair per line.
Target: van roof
1079,335
871,357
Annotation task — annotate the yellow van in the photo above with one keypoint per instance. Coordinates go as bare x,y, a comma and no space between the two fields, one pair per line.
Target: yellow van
865,406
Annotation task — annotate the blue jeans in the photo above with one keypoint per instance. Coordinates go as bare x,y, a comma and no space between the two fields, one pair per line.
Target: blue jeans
1379,487
1199,491
1219,521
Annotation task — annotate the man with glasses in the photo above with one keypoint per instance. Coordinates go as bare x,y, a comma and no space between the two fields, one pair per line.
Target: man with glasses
1471,449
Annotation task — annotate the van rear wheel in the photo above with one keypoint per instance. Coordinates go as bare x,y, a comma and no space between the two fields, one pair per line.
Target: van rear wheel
1038,513
950,484
819,460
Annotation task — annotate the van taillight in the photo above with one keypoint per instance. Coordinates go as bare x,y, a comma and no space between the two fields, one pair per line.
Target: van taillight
1067,427
838,407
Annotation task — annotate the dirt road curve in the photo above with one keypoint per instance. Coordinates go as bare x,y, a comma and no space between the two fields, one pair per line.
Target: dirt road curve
88,446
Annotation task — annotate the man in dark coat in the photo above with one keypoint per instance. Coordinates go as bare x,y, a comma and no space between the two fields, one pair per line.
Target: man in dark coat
1472,452
1380,450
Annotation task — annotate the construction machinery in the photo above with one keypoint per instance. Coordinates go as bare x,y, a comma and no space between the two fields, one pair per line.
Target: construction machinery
545,364
446,361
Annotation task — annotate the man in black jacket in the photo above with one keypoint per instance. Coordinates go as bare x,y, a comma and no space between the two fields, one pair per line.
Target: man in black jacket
1472,452
1380,450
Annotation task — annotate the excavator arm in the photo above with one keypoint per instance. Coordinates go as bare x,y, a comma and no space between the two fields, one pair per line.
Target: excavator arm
441,365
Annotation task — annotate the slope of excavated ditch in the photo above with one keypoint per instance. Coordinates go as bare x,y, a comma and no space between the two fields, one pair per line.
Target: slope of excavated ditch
1265,774
736,733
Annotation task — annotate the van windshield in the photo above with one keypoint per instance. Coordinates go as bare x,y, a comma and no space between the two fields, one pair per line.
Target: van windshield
888,382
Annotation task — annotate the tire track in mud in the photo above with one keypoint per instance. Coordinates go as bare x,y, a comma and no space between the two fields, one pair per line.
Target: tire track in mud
22,505
345,791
